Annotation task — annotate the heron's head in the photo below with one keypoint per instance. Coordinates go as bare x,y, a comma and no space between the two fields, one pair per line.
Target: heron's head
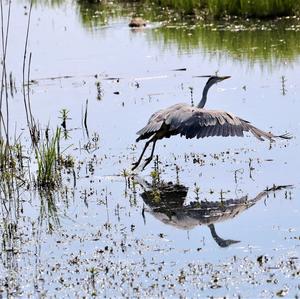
215,79
210,82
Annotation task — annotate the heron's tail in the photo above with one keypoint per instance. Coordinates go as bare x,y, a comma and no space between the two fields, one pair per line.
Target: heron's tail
285,136
262,135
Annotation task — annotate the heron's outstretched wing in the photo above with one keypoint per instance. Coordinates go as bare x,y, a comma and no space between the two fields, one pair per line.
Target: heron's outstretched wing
196,122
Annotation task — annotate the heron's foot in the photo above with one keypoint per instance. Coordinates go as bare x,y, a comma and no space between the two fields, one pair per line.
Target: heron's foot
135,165
147,161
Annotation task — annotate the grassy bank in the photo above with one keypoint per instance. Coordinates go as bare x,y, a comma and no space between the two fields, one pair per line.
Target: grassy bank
210,8
248,8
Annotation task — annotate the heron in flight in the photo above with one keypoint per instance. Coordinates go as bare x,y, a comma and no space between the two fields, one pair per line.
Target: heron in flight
189,121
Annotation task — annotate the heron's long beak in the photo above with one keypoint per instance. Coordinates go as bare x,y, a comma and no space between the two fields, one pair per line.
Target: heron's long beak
225,77
208,76
202,76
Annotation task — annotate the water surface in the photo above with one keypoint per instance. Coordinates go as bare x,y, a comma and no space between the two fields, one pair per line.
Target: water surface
110,236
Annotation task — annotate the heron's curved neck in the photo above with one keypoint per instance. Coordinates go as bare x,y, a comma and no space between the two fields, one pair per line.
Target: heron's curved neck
204,96
220,241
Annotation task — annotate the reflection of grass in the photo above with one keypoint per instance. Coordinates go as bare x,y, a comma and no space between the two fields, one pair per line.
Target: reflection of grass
51,3
264,41
48,210
95,13
264,44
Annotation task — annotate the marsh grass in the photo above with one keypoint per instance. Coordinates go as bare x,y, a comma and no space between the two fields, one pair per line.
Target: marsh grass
253,8
47,156
222,8
45,150
10,166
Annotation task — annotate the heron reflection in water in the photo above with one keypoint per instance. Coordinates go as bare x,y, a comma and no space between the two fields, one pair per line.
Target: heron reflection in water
165,201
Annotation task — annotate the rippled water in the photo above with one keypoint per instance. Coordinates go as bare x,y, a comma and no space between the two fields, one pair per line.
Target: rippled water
111,236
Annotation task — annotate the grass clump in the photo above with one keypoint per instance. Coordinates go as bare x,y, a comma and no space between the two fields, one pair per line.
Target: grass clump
12,170
47,156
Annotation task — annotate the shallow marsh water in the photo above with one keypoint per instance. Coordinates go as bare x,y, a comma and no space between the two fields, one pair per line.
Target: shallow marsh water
102,237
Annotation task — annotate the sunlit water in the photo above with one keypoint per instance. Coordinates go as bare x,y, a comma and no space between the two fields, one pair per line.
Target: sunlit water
100,238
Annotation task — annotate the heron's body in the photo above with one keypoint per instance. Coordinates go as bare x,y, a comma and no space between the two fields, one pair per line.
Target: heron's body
188,121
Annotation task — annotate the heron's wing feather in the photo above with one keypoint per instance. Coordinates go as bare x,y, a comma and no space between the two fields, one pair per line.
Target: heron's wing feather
195,122
157,120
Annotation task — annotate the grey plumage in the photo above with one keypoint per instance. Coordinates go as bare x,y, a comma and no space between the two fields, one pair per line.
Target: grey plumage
167,203
190,122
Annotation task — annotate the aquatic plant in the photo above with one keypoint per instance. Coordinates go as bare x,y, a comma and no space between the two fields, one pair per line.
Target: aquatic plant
47,157
64,116
10,154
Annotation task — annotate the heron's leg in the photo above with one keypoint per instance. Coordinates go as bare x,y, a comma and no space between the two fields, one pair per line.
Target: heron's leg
148,160
136,164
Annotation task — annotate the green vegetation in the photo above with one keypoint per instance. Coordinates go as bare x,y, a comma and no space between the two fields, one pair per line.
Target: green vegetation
269,43
186,6
253,8
47,156
203,8
45,152
223,8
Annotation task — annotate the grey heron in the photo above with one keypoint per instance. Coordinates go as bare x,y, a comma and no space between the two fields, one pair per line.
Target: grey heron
189,121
